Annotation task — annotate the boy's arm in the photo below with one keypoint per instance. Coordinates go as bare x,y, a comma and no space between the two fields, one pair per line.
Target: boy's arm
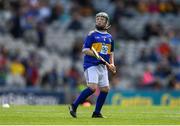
111,58
88,44
88,51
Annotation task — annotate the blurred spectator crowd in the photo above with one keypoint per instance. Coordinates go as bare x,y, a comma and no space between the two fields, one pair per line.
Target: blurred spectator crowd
41,43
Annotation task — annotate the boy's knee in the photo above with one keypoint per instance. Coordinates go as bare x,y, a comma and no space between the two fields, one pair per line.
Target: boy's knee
105,89
93,87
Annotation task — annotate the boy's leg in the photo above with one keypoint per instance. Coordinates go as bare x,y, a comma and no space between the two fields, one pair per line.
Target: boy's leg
92,80
91,77
82,97
100,101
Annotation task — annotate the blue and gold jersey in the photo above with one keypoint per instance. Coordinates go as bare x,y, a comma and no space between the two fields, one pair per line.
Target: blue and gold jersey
102,43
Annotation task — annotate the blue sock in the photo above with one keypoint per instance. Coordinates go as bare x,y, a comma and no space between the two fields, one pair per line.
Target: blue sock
82,97
100,101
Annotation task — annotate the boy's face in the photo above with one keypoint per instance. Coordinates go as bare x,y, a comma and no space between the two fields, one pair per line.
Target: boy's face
100,22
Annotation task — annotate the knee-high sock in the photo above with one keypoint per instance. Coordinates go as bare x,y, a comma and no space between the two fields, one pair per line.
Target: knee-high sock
100,101
82,97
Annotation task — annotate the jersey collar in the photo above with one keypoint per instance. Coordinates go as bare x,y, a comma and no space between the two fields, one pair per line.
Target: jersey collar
101,31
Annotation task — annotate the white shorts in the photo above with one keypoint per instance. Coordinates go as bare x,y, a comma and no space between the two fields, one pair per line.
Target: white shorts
97,75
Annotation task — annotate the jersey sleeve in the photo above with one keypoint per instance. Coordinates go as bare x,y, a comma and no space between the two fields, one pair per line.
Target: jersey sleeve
88,41
112,46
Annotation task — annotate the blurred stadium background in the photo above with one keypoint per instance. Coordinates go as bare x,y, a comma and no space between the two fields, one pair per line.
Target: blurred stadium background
41,59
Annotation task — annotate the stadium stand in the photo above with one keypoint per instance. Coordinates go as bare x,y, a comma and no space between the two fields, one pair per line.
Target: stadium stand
41,41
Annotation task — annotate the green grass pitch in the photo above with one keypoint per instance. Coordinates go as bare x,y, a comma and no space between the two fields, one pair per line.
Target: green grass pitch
116,115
